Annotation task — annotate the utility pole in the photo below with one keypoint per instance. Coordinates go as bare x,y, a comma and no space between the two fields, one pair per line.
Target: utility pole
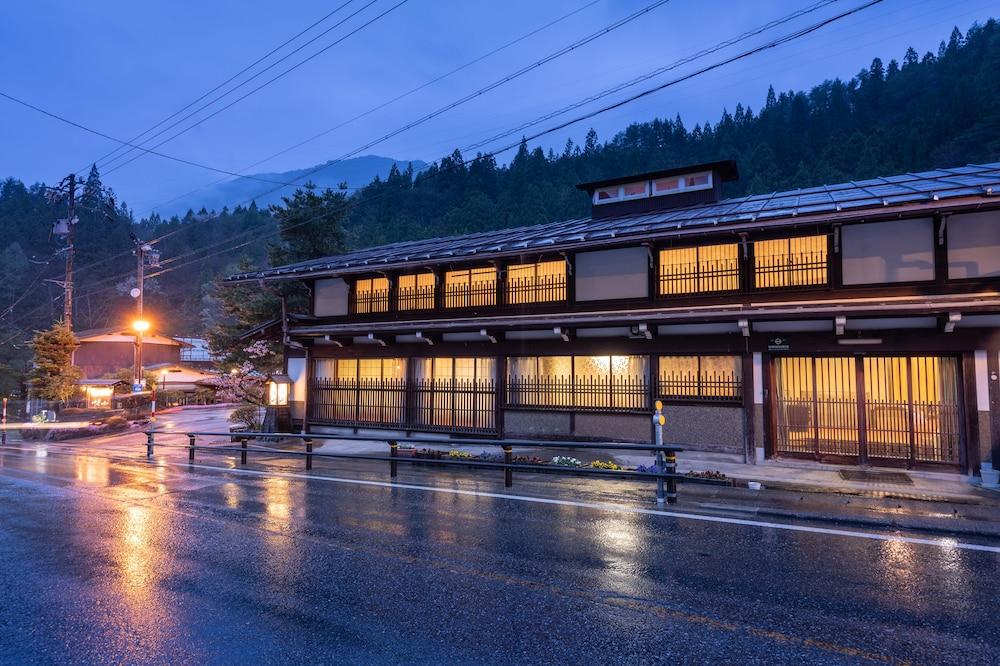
144,254
139,275
68,301
67,228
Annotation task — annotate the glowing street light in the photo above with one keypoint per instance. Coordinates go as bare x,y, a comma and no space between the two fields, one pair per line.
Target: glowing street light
140,326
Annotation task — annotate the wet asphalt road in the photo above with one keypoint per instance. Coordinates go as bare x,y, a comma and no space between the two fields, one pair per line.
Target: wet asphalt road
107,560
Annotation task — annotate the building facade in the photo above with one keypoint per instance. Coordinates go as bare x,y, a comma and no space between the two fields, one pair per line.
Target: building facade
856,323
105,351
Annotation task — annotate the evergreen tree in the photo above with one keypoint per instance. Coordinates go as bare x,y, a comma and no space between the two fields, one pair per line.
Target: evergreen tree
310,225
53,375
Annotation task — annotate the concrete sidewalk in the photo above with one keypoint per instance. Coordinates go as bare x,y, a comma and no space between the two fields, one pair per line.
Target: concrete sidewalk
799,476
807,476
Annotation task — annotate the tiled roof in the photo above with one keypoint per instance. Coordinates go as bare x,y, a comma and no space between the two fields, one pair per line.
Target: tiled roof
908,188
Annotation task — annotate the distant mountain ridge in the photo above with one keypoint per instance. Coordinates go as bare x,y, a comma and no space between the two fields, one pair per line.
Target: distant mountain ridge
356,172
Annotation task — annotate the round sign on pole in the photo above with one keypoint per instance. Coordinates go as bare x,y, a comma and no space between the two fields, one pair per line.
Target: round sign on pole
134,293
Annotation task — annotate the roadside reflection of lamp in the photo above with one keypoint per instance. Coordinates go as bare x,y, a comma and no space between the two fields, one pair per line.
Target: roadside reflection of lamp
277,390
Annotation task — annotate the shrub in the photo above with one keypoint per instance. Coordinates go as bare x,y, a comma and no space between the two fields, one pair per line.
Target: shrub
464,455
600,464
566,461
116,423
248,416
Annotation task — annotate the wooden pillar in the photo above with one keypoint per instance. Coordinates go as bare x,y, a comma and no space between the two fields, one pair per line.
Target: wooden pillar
756,384
749,407
306,394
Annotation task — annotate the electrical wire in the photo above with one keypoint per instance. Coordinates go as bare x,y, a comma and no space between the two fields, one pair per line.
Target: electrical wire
261,86
798,34
227,81
388,102
149,151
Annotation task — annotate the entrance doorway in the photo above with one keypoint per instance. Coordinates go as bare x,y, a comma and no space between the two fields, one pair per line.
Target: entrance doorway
895,410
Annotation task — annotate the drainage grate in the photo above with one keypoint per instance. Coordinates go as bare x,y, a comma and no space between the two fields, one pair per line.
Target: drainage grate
864,476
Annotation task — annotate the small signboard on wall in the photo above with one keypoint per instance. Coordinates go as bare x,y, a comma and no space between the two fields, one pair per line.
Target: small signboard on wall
778,343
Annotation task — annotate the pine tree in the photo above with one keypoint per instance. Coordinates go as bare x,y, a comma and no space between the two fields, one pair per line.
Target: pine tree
53,375
310,225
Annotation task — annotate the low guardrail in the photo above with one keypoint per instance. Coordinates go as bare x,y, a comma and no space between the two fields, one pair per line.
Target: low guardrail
666,455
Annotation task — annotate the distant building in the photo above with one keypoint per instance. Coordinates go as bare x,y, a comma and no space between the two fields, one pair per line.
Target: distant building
196,353
856,323
181,377
105,351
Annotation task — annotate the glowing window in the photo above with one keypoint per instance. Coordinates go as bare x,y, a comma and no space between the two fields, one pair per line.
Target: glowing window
543,282
716,378
416,292
470,287
371,295
690,270
582,382
790,262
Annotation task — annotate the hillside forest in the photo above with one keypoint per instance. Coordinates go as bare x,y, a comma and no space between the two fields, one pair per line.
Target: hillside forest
913,112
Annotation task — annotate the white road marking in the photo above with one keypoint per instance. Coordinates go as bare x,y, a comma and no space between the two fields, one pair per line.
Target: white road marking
944,543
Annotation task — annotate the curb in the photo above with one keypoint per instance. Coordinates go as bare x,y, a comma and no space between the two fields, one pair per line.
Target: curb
968,500
989,530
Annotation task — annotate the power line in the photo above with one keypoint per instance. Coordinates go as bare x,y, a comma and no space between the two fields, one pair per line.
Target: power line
798,34
789,37
261,86
91,130
653,74
229,80
481,91
395,99
495,84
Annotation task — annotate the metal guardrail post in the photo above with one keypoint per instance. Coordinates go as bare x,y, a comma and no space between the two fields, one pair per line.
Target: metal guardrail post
243,453
671,466
149,444
508,473
309,450
190,448
393,453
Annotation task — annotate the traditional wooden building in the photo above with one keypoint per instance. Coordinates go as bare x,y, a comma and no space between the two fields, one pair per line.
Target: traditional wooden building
107,350
856,323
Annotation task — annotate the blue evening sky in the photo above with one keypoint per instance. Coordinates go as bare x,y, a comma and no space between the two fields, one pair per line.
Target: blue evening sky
119,66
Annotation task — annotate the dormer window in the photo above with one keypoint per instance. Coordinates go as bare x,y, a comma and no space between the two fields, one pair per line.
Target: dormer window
607,194
635,190
685,183
643,189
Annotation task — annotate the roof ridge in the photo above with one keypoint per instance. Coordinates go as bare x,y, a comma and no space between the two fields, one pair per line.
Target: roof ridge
937,183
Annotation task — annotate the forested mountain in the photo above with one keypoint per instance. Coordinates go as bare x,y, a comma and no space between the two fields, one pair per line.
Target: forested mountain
355,172
921,111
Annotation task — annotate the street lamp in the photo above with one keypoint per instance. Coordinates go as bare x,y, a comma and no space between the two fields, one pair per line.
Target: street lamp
140,326
277,390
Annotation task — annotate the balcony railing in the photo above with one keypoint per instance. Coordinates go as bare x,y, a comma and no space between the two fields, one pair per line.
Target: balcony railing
478,294
791,270
416,298
539,289
700,277
368,302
